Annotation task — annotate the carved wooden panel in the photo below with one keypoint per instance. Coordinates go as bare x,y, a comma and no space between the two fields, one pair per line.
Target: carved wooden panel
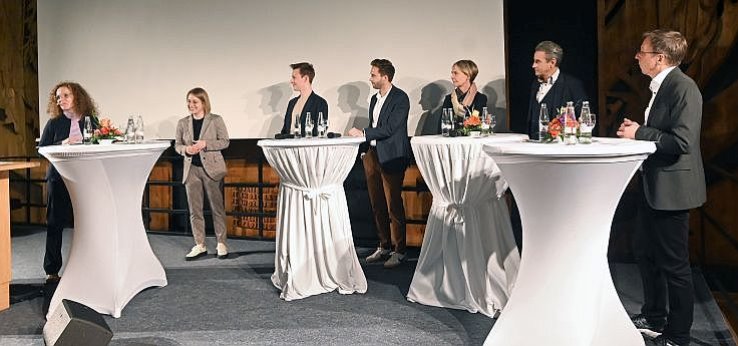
18,78
711,29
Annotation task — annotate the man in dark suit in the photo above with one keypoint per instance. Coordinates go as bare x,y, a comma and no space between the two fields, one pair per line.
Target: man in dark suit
673,182
552,87
385,162
308,101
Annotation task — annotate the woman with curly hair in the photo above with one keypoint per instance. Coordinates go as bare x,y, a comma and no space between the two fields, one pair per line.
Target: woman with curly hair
69,104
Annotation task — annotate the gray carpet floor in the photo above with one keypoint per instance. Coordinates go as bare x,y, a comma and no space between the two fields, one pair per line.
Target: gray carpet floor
232,302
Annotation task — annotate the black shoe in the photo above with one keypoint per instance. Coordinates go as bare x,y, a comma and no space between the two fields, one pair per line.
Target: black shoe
662,340
641,322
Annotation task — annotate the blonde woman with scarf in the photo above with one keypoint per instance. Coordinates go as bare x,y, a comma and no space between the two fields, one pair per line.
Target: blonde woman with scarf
465,98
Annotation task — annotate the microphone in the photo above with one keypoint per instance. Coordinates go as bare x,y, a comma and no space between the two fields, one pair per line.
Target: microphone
333,135
284,136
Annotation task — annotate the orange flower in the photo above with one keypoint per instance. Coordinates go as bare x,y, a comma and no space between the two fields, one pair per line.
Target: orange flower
472,121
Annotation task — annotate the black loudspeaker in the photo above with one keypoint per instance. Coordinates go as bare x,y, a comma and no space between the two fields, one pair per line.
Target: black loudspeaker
73,323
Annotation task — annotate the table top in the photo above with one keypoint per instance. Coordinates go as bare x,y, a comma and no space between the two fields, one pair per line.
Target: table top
309,142
494,138
601,147
11,165
100,148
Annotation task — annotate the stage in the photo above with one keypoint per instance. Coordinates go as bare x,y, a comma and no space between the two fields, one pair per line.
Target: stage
232,302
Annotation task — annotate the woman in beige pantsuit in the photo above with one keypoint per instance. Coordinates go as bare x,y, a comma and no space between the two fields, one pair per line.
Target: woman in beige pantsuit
200,138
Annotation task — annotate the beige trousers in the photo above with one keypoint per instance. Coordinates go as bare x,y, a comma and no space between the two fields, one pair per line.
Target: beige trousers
198,182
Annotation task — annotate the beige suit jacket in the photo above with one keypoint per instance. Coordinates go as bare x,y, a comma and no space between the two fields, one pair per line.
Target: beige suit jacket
215,134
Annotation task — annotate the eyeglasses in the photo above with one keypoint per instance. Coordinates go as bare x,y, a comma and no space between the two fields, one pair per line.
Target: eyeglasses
641,53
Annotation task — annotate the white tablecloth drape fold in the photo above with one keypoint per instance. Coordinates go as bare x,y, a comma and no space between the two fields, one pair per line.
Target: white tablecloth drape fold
469,259
315,250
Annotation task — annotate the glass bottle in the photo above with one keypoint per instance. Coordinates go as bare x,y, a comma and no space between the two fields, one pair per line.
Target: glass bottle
296,127
543,120
87,131
570,130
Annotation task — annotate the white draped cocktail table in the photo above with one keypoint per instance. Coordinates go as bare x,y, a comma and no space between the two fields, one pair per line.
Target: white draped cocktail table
110,259
315,247
469,259
567,194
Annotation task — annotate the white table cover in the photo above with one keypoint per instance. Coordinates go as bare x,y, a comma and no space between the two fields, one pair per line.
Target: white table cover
469,259
564,294
110,259
315,248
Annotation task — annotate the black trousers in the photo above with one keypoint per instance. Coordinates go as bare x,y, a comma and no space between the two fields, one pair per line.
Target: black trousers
661,245
58,216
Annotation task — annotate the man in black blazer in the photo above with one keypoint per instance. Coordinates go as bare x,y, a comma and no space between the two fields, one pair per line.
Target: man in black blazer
673,182
385,162
551,86
302,77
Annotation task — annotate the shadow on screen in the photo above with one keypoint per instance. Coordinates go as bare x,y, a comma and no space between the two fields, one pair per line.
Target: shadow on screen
352,99
495,91
431,99
273,104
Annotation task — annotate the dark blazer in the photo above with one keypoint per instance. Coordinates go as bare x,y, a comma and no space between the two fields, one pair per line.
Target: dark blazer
393,145
314,104
56,131
673,177
566,88
479,102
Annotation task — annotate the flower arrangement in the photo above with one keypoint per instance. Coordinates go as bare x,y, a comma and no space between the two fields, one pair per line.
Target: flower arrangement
558,126
472,123
106,131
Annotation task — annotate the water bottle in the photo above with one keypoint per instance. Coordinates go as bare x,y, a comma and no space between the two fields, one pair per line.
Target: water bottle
87,132
296,128
321,125
585,136
138,133
130,131
486,121
308,125
543,122
570,130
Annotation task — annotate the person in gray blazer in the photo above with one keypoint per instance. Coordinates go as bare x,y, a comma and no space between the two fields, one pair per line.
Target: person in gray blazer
200,138
673,181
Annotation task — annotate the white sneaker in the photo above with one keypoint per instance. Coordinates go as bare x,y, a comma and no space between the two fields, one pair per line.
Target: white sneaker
379,254
394,260
196,252
222,251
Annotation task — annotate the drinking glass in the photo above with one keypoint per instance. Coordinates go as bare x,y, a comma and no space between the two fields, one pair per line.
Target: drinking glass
492,123
486,122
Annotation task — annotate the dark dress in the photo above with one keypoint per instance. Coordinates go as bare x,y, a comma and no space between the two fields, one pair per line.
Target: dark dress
58,204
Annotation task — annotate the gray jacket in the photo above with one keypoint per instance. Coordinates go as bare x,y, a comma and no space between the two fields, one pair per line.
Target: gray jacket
215,134
673,177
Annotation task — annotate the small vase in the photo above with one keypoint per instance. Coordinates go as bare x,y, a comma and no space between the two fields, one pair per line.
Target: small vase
475,133
105,141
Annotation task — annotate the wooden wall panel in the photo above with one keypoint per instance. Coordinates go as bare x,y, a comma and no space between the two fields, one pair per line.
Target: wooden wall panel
711,29
18,78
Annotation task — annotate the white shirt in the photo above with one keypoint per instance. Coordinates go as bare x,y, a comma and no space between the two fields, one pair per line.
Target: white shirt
377,110
547,85
654,86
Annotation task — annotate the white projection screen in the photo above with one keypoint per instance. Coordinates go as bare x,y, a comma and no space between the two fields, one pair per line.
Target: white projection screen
140,57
